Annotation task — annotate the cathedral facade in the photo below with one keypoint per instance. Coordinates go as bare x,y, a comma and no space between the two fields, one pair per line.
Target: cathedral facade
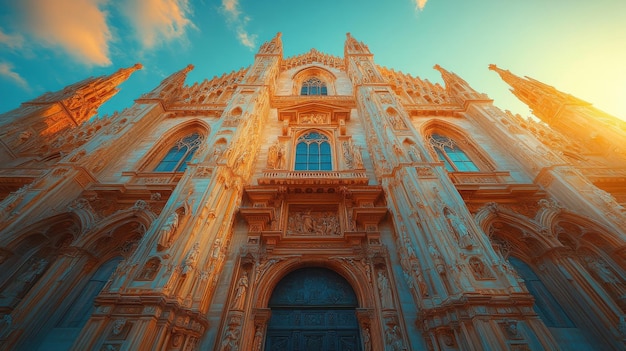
313,202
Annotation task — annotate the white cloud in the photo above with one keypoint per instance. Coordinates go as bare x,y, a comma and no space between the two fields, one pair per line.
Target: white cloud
6,70
158,20
234,17
420,4
15,41
78,27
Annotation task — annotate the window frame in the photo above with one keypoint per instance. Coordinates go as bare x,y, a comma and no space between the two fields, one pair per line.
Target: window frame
324,149
180,163
454,157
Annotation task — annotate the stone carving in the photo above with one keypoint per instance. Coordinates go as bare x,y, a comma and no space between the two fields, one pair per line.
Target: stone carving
166,233
240,294
276,156
313,118
460,229
367,338
26,278
480,271
190,260
150,269
436,257
231,338
325,223
605,276
393,336
118,326
257,343
386,299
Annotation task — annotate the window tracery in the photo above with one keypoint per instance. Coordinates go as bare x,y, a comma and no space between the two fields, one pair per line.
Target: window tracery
313,152
177,157
313,86
453,157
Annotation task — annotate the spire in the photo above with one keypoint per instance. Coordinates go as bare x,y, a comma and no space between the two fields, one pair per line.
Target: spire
82,100
544,100
272,47
354,47
459,88
166,92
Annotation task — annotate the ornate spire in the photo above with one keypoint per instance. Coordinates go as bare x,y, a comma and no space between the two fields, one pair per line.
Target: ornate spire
459,88
83,99
272,47
354,47
166,92
544,100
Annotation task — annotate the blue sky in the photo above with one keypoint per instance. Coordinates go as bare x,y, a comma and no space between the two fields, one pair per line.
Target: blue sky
577,46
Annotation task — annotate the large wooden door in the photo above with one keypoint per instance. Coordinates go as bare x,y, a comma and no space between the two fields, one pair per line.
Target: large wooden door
313,309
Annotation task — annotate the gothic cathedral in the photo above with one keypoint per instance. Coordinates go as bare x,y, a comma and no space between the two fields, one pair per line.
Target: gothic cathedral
313,202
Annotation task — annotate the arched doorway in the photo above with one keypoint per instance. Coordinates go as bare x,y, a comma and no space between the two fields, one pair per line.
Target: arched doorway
313,309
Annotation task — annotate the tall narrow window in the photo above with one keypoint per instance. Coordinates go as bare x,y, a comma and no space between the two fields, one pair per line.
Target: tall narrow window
313,86
455,159
181,153
313,153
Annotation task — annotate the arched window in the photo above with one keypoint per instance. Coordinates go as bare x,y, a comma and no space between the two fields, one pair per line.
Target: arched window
313,153
176,159
313,86
455,159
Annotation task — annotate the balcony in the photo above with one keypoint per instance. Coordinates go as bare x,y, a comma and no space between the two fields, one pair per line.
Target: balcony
281,177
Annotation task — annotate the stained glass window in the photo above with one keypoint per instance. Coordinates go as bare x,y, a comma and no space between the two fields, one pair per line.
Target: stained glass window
176,159
313,153
454,158
313,86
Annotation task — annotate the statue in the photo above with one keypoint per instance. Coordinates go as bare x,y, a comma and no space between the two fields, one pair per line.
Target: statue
275,156
166,232
257,344
230,339
460,229
436,256
385,292
240,295
367,342
357,157
192,256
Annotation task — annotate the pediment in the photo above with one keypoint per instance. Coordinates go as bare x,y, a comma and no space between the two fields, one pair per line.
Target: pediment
314,113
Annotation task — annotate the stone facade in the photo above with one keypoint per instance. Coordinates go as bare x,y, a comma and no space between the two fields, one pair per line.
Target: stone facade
312,202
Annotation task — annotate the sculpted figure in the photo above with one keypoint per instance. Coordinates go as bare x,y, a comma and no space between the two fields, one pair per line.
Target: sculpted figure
192,257
166,232
436,256
275,155
460,229
240,295
385,292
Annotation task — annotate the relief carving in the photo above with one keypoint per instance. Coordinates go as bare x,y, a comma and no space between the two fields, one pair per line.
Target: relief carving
308,222
276,156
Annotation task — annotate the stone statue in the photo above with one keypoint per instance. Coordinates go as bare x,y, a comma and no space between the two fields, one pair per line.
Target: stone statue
257,344
357,157
367,342
460,229
166,232
478,269
229,343
436,256
275,156
385,292
240,294
192,257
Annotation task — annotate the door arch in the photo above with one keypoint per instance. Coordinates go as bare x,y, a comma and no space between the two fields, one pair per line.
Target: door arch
313,308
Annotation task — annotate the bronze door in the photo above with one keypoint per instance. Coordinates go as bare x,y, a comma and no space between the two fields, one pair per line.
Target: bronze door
313,309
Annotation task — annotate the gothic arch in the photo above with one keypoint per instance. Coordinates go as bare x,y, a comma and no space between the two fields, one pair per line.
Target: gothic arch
464,140
324,133
152,158
313,71
355,277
